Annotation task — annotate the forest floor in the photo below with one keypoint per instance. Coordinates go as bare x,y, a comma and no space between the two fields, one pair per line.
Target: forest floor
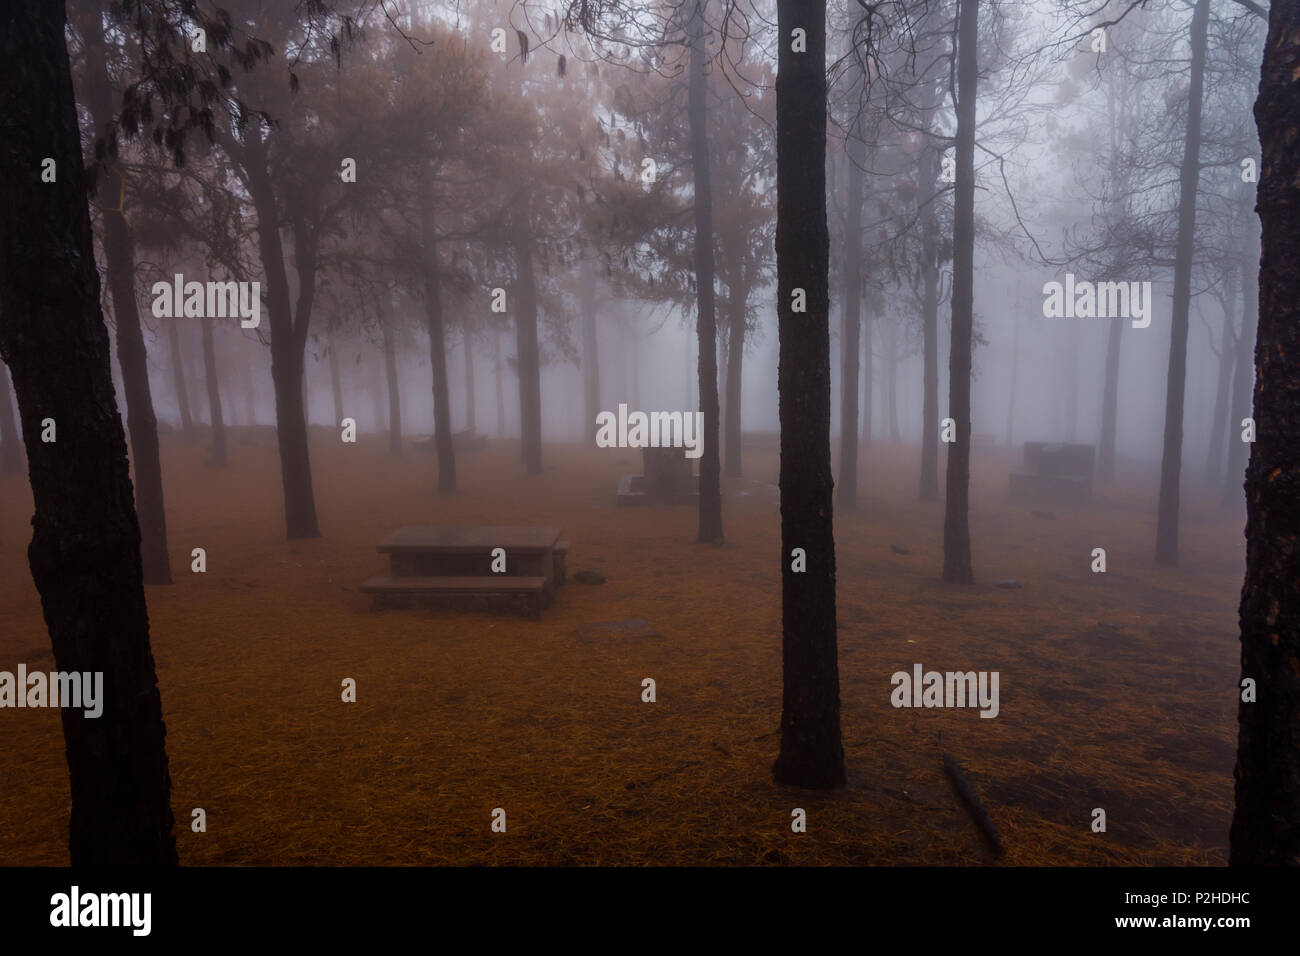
1118,690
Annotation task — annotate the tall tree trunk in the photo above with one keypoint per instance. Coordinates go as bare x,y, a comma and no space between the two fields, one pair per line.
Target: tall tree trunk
1109,405
468,331
250,352
956,520
930,326
590,356
288,343
735,369
528,358
1243,376
119,261
850,313
501,401
437,349
336,381
178,379
710,526
1223,387
812,754
1172,461
11,458
85,548
1011,399
390,375
868,375
214,395
1266,824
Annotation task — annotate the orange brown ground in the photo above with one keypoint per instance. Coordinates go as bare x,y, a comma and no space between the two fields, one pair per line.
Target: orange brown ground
460,711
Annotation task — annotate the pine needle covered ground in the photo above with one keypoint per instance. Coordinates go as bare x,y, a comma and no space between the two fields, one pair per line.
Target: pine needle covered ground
1118,690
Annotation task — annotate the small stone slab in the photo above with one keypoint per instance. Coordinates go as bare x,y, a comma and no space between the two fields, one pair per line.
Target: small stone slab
1010,584
614,632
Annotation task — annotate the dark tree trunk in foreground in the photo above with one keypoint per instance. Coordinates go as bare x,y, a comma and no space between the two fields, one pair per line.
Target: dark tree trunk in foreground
1243,376
929,328
214,395
178,379
1172,460
528,356
119,261
710,527
11,458
85,549
956,519
390,376
1266,823
1223,386
851,340
812,754
437,351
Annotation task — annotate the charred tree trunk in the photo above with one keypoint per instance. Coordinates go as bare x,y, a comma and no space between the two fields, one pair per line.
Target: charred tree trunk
1266,824
710,526
529,359
390,375
288,343
956,520
851,344
85,548
1172,460
437,350
218,458
812,754
119,262
1243,376
1223,387
11,457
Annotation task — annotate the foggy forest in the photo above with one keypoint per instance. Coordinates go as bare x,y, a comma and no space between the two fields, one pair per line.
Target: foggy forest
673,432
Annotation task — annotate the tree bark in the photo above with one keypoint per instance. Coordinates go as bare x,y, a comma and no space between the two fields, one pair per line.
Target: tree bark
11,457
812,754
85,548
1172,460
1243,375
1266,823
590,356
956,520
710,525
851,344
336,380
468,331
1109,405
501,401
119,261
214,396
